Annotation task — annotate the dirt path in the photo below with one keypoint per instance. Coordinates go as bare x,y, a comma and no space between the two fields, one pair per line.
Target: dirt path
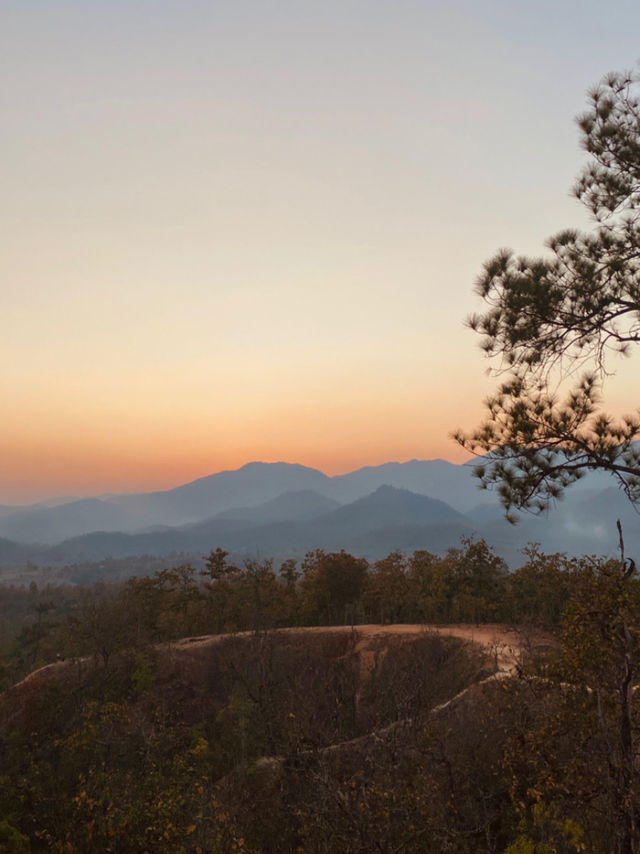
503,643
500,641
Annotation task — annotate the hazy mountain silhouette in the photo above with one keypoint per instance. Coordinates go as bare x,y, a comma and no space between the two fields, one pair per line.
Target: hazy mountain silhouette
252,484
243,489
8,509
11,551
331,530
342,527
388,505
453,484
52,524
301,504
279,508
583,523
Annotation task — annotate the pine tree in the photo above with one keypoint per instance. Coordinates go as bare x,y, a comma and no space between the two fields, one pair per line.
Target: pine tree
553,323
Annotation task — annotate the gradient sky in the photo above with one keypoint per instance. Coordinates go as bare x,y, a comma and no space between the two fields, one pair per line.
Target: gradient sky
238,231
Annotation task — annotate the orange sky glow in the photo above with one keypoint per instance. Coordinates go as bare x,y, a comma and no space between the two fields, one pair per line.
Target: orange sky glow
240,231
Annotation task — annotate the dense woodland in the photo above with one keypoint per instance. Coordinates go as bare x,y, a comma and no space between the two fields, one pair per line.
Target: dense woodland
271,742
470,584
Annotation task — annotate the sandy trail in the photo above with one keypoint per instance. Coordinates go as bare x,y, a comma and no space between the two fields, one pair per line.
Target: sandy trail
502,643
504,647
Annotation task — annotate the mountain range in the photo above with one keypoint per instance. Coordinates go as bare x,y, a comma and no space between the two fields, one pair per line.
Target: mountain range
284,510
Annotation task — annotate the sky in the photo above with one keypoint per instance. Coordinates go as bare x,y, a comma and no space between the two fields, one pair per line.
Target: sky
238,230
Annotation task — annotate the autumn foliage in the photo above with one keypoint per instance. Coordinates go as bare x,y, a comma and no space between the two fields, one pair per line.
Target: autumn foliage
267,741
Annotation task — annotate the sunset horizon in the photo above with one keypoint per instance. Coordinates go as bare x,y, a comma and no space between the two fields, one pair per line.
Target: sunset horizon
157,481
235,232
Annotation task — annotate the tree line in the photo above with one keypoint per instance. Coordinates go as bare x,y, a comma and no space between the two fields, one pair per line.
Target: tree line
469,584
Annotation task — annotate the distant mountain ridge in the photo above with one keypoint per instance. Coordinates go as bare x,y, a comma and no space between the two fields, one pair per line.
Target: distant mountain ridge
388,505
246,487
387,508
249,485
281,509
52,524
296,505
